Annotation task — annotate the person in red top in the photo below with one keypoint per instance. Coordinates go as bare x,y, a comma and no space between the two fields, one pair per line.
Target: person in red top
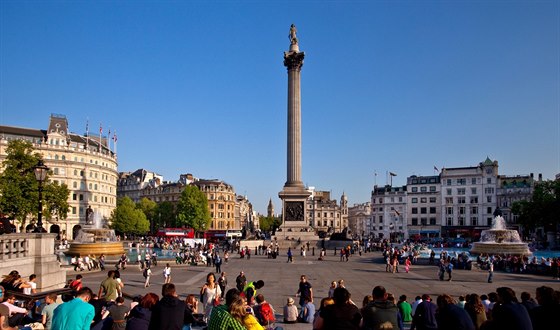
76,284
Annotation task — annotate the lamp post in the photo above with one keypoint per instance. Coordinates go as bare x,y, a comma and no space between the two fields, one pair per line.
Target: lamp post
40,171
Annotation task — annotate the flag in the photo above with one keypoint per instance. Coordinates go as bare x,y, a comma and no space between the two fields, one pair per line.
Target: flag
115,136
100,129
392,174
436,169
87,127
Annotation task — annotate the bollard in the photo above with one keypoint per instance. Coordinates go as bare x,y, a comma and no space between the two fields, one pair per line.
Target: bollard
313,251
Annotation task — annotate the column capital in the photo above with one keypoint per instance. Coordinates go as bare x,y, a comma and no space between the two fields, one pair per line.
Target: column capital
293,60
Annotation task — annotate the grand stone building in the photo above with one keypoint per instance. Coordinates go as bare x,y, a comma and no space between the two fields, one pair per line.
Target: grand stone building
468,198
423,211
221,202
388,205
359,216
85,163
324,213
132,184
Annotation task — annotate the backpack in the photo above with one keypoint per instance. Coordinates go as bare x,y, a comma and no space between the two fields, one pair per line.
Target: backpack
266,313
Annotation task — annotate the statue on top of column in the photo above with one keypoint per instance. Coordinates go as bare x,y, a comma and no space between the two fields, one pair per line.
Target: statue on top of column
292,36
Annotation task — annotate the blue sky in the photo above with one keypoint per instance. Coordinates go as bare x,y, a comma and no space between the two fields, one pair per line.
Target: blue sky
199,86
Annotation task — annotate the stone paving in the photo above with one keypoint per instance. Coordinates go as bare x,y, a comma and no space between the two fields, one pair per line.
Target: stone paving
360,274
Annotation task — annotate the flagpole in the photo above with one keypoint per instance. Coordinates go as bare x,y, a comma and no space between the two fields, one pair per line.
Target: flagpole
87,133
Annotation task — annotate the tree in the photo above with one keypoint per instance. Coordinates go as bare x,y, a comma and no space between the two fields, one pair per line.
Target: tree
269,223
543,208
192,209
19,190
149,208
128,219
165,215
56,197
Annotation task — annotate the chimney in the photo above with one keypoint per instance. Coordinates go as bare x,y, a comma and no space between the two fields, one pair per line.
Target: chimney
540,177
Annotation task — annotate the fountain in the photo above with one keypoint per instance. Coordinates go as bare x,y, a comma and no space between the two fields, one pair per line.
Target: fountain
499,240
95,240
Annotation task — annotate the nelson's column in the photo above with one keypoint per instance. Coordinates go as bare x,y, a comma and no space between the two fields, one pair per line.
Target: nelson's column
294,195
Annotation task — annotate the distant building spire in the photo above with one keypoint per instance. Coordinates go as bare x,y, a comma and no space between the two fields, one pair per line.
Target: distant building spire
270,209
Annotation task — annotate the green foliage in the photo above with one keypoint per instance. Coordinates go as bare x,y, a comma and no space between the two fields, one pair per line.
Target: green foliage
543,208
149,208
165,215
56,198
269,223
128,219
192,209
19,190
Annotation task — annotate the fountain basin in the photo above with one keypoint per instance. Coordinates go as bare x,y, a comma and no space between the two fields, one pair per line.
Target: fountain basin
95,241
97,249
500,248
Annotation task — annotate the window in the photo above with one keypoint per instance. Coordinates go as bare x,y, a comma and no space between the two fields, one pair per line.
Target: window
474,221
432,221
423,210
73,210
489,199
473,191
81,197
488,171
449,210
414,210
424,221
414,200
461,191
473,181
474,200
489,210
74,197
414,189
462,210
461,221
432,210
488,180
433,199
448,200
449,221
432,188
423,200
461,182
75,185
461,200
414,222
423,189
488,190
474,209
448,182
449,192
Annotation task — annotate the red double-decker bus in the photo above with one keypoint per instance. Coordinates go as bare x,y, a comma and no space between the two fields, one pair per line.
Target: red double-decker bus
175,232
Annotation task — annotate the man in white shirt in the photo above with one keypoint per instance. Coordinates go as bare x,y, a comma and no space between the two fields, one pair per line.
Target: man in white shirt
30,286
415,304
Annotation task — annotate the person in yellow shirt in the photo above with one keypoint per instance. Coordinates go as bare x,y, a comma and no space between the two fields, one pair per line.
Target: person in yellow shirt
242,313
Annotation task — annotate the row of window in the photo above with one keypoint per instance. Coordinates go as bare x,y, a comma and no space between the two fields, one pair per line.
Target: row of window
93,198
463,181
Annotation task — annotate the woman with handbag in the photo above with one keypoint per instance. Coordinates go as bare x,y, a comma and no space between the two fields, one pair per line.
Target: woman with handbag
211,294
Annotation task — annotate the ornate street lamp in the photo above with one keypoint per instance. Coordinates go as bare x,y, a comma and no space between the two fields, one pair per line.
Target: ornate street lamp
40,174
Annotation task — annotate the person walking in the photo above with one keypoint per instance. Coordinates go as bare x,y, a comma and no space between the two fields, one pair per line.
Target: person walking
290,256
147,275
222,282
218,263
305,289
490,271
240,281
167,274
210,293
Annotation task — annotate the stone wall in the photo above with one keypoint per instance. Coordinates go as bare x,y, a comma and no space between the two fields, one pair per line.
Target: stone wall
32,253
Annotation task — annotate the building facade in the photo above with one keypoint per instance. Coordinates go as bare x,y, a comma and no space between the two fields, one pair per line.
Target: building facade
469,198
86,164
324,214
388,211
359,216
221,203
423,209
132,184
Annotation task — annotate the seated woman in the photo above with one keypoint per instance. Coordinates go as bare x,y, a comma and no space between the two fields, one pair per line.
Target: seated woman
290,312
